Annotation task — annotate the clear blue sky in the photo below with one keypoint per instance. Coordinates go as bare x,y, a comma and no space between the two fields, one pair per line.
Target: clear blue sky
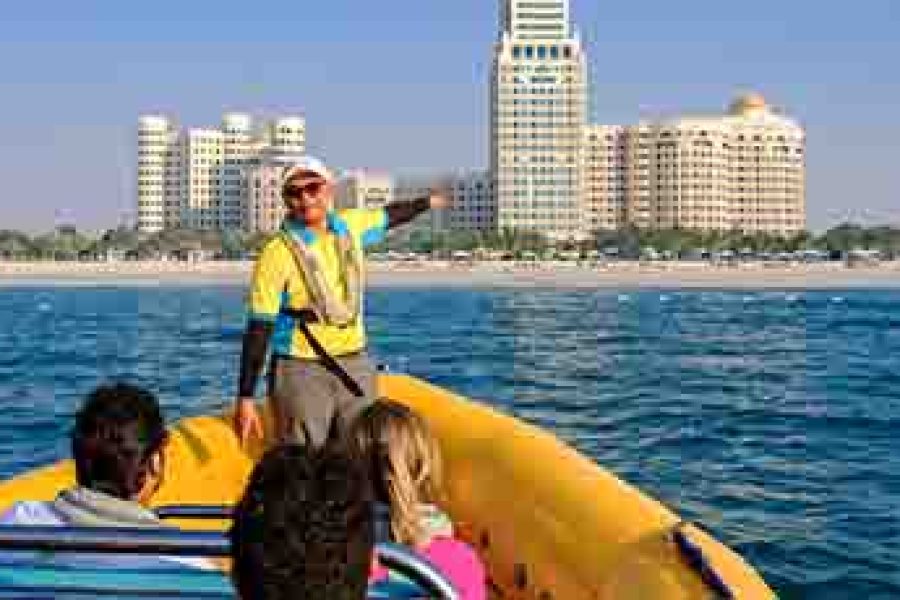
402,85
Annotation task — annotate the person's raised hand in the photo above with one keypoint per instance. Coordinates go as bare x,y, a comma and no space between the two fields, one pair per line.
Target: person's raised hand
439,198
247,421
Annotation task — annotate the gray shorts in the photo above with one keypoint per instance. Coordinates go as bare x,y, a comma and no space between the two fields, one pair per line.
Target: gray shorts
306,397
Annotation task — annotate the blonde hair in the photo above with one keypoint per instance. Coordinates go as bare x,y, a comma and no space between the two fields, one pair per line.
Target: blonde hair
404,464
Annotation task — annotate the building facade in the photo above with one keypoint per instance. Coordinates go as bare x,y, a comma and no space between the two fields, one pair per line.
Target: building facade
743,170
767,175
472,201
201,196
537,117
473,205
606,176
159,174
264,208
361,188
198,177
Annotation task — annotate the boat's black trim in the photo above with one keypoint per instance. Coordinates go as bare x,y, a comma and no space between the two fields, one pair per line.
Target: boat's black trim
694,557
194,511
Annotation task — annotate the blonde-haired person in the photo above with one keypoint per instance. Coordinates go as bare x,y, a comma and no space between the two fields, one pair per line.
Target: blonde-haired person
404,463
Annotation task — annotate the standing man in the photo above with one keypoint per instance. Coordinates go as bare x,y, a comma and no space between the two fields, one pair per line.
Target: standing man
306,297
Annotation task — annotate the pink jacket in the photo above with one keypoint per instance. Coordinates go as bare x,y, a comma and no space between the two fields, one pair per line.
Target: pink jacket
460,564
457,561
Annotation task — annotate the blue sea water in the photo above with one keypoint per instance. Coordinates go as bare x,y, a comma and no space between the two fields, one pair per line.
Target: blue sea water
772,418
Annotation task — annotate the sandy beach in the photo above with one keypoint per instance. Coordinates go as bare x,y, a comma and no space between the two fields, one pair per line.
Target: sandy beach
428,274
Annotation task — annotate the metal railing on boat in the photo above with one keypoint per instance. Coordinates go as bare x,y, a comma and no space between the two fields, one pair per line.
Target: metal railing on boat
22,539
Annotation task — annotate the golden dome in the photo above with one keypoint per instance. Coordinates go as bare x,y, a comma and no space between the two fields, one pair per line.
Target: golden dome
748,103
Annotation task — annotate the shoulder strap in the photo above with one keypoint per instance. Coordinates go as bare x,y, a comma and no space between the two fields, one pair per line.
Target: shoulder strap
330,308
305,269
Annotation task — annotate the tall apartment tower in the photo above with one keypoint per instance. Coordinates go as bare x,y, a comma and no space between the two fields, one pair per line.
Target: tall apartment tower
606,176
159,174
201,169
767,164
538,115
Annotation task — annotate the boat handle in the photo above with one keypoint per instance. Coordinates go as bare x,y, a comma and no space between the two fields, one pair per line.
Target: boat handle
693,555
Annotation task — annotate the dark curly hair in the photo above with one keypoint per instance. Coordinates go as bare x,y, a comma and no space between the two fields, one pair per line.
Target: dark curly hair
304,528
118,428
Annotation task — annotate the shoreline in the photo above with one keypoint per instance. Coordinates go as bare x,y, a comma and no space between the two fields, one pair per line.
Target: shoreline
485,275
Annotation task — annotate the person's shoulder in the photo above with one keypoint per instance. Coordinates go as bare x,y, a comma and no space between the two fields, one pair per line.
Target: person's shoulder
454,555
460,563
273,243
351,213
273,248
30,512
351,216
451,546
360,218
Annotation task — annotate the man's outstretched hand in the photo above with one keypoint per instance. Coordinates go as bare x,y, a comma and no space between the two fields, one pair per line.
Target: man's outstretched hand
439,199
247,421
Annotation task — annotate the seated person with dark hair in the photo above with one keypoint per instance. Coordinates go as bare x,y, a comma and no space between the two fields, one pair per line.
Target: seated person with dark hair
304,528
118,444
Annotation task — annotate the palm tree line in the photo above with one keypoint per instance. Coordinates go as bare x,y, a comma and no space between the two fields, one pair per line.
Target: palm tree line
66,243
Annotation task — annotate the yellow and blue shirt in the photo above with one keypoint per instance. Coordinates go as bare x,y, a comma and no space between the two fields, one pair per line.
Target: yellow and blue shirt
278,283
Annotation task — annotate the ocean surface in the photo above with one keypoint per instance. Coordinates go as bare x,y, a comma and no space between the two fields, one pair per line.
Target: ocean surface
771,418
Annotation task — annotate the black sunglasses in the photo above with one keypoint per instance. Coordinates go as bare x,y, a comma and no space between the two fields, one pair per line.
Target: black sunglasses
313,188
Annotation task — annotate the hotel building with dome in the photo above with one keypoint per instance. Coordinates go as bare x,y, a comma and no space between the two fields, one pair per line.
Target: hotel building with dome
741,170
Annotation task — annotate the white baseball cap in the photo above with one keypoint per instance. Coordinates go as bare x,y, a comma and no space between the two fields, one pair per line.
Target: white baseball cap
306,164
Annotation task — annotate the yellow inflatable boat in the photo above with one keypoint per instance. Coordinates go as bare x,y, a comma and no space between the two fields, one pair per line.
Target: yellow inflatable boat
549,523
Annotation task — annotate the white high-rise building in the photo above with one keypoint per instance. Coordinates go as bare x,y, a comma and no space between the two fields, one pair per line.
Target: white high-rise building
283,143
767,168
264,209
198,177
538,115
239,147
535,19
158,174
201,197
606,176
286,136
743,170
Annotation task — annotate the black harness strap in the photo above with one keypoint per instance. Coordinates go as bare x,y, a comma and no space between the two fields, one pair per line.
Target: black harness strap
329,362
303,318
306,315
